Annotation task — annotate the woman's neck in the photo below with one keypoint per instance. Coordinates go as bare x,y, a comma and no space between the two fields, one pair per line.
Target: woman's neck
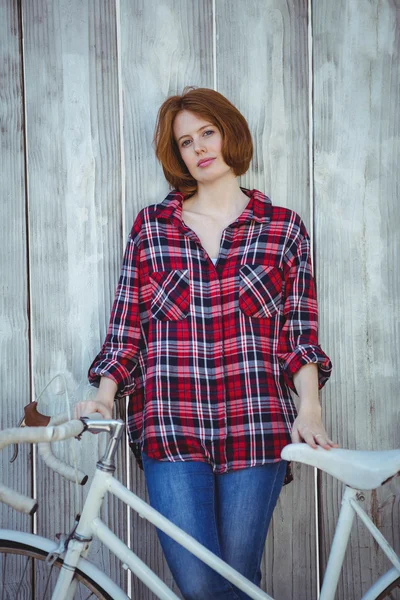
222,198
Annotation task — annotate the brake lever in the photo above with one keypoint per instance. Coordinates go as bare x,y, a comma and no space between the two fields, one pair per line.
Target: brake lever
15,453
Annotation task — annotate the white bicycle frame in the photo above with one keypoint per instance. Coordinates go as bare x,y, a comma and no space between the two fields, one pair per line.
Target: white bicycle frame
90,525
349,509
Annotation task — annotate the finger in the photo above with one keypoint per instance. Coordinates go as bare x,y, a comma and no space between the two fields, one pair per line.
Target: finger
322,440
83,408
333,444
308,437
99,407
295,436
325,441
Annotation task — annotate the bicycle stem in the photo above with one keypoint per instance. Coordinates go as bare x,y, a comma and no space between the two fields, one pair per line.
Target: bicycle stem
116,429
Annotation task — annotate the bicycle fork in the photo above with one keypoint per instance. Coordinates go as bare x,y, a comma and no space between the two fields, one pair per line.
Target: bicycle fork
80,540
66,587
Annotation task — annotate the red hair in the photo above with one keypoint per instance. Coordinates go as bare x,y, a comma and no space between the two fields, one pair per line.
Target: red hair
237,145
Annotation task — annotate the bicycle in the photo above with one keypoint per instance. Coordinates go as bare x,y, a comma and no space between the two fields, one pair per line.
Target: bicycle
63,569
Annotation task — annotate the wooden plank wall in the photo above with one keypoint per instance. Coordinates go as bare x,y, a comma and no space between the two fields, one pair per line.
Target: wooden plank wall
270,47
14,316
90,76
156,63
357,151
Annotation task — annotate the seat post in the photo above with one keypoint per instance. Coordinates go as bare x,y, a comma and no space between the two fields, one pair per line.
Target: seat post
339,545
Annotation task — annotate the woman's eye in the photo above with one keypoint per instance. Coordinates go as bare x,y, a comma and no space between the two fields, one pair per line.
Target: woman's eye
208,131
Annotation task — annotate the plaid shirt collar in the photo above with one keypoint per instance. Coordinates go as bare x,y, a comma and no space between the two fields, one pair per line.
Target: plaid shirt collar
258,209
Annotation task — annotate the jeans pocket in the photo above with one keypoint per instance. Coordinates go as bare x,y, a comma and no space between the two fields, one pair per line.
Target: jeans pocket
260,290
171,294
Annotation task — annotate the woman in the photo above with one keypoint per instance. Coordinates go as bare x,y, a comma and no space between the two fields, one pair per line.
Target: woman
214,321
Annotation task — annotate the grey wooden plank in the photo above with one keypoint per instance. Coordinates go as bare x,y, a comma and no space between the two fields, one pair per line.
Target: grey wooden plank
262,67
157,64
356,100
14,315
165,45
75,221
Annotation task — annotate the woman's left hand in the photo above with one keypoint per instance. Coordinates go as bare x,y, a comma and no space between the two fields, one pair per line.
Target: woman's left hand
308,427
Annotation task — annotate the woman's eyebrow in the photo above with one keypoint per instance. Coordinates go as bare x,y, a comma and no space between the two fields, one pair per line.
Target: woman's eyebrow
204,126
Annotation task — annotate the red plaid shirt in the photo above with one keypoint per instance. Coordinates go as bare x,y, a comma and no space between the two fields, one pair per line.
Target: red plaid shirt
207,353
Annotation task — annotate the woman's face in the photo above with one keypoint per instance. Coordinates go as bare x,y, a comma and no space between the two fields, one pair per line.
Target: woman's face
198,139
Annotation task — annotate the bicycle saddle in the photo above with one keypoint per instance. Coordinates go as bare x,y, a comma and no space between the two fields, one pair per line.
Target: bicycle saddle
359,469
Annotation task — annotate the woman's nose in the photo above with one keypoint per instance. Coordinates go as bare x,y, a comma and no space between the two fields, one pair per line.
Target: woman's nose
199,146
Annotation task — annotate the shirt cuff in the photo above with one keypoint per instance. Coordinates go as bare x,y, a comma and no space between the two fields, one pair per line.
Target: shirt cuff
114,371
302,355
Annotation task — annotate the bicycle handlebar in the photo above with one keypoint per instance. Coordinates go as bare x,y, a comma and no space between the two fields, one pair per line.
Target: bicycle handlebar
59,428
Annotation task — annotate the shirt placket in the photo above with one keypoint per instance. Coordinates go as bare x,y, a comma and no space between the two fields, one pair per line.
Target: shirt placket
217,445
229,239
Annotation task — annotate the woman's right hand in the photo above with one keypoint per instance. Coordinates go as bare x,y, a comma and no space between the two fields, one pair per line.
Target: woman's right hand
98,405
102,402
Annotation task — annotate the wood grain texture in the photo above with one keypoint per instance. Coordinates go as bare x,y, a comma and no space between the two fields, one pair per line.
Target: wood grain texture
14,312
165,45
14,316
75,222
84,193
357,151
262,67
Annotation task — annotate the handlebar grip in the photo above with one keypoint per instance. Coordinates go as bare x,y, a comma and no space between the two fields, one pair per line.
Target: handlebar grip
34,435
18,501
59,466
54,463
63,429
59,428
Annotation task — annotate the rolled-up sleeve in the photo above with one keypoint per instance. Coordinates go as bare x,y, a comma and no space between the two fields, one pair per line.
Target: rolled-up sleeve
298,337
118,356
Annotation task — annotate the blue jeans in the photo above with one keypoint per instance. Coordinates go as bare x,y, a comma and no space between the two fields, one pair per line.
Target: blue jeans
228,513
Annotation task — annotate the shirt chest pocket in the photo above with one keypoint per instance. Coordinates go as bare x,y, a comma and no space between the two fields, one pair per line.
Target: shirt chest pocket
170,294
260,290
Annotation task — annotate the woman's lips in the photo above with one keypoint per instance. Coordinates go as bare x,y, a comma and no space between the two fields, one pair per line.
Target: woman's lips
206,163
